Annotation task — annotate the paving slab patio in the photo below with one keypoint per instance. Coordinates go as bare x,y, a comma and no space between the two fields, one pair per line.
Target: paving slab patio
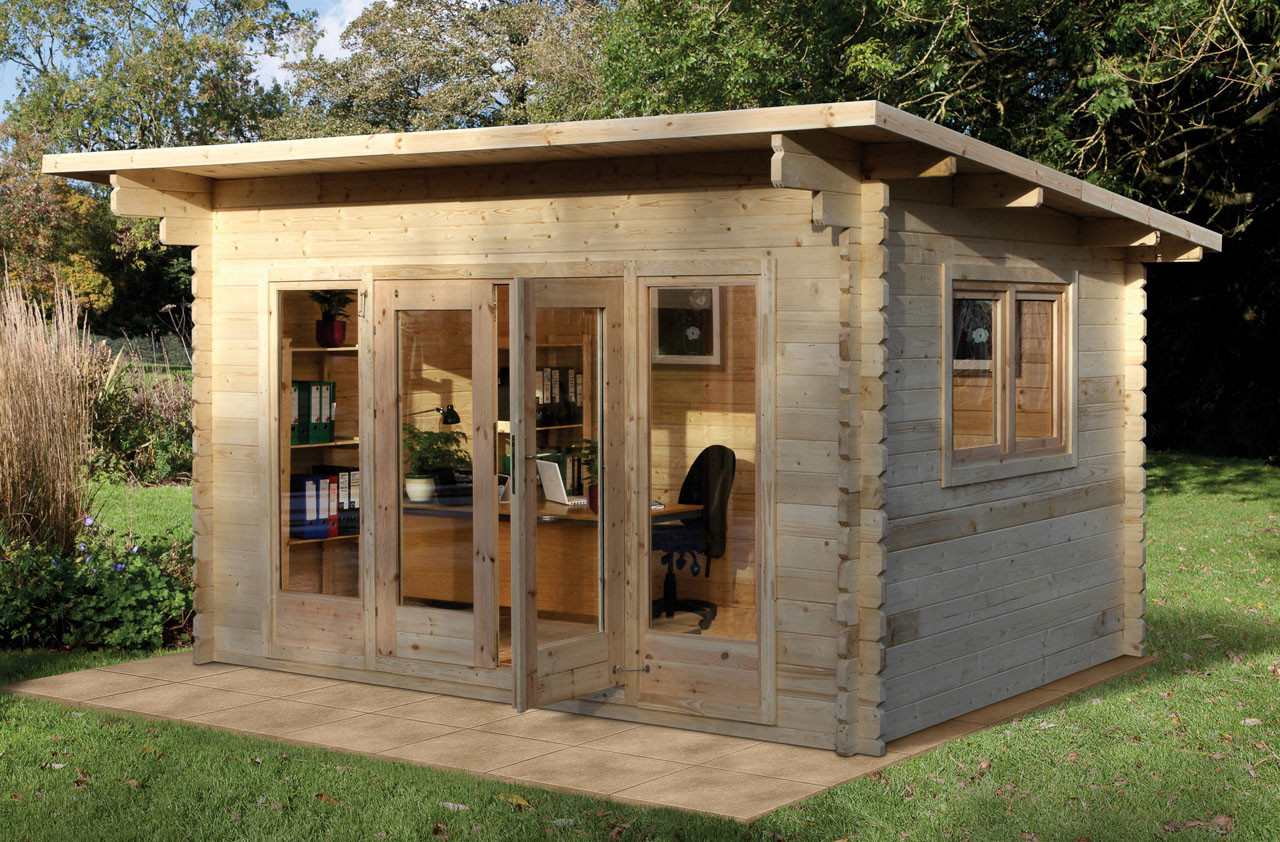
640,764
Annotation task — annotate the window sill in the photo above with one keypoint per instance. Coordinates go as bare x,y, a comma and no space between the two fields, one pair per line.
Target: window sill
968,472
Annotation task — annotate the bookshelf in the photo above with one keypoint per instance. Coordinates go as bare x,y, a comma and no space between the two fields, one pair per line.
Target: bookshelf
321,450
572,354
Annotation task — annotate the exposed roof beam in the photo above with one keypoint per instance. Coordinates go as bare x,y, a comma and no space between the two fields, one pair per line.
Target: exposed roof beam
994,190
887,161
1117,232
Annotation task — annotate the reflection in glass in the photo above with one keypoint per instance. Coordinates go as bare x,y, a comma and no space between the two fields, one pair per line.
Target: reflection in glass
1034,381
702,458
973,385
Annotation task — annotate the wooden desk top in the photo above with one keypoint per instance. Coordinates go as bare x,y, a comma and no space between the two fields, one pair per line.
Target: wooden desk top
553,511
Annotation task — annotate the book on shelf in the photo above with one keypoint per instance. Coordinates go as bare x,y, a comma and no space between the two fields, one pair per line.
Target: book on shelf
308,507
300,429
345,498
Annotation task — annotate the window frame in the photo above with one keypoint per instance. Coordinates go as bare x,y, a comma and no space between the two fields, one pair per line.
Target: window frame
1008,457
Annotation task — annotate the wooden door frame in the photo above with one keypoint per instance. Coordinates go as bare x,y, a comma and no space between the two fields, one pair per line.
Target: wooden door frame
533,685
270,364
454,295
762,274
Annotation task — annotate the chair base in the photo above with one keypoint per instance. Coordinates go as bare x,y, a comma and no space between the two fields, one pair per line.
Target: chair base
668,604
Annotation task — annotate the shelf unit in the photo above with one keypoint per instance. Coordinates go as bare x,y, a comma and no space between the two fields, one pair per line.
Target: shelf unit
559,351
328,565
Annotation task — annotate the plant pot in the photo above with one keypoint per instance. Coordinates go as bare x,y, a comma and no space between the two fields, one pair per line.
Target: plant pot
593,499
419,489
330,333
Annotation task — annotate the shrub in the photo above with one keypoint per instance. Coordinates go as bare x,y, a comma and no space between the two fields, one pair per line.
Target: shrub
49,372
142,423
109,591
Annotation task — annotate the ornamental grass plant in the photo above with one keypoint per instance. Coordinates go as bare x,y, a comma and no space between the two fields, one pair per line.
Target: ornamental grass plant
50,371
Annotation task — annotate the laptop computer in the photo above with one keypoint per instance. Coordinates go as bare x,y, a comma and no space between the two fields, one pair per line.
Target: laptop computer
553,485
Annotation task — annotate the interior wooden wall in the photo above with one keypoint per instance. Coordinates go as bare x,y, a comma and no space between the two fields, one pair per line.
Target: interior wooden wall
690,207
994,588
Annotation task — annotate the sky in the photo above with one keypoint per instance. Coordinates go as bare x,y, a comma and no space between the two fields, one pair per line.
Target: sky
333,16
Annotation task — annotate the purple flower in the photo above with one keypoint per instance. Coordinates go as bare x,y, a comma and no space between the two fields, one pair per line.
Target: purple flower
118,567
88,521
80,547
134,550
53,562
93,570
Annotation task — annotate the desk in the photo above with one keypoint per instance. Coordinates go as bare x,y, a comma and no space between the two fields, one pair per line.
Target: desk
436,554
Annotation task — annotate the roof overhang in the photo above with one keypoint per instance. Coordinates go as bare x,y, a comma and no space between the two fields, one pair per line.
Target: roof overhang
753,129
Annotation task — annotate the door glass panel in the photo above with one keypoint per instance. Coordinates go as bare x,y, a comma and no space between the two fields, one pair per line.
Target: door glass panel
436,384
702,459
973,383
1034,374
568,534
319,447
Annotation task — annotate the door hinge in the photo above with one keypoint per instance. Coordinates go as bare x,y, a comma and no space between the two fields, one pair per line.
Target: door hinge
617,668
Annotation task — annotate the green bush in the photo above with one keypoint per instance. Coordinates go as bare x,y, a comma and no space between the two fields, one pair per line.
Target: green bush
110,592
142,424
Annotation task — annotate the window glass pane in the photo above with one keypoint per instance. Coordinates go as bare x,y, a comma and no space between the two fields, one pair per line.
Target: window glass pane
1034,381
702,457
320,451
436,554
973,386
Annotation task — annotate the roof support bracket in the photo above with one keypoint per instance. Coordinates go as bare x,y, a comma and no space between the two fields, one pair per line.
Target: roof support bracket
815,160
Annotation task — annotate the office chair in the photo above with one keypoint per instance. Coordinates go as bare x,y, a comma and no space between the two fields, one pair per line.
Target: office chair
709,481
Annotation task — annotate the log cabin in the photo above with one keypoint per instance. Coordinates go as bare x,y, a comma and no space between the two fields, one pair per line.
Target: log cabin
818,424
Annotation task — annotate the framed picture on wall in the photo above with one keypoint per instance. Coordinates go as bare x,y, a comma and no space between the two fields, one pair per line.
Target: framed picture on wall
685,325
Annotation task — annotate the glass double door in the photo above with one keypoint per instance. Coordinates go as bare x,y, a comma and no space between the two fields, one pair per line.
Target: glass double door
499,512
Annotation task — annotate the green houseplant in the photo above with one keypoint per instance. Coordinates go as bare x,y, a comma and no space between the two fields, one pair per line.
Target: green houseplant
591,468
431,457
331,330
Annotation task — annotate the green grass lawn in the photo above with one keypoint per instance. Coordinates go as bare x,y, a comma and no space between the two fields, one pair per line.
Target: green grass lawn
1184,749
144,511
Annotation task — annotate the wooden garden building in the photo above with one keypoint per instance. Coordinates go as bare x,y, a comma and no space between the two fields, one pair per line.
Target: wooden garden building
818,424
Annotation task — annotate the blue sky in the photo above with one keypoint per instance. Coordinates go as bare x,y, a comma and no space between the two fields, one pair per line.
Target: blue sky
334,15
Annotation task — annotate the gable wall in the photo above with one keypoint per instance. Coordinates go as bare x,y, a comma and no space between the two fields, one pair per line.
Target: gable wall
994,588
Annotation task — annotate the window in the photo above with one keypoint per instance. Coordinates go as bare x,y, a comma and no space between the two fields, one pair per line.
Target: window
1009,393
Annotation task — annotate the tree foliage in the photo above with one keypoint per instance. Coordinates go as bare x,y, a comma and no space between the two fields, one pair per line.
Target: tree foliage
118,74
417,65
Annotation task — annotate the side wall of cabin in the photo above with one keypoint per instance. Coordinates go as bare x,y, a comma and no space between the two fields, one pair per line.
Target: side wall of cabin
994,588
691,207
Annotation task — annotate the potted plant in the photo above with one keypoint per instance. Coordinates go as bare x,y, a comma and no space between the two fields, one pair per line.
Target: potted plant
591,468
431,457
331,330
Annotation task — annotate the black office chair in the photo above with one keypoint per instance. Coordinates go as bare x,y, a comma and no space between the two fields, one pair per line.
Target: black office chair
709,481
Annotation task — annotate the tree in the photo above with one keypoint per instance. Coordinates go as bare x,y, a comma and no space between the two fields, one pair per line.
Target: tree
43,228
117,74
433,64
